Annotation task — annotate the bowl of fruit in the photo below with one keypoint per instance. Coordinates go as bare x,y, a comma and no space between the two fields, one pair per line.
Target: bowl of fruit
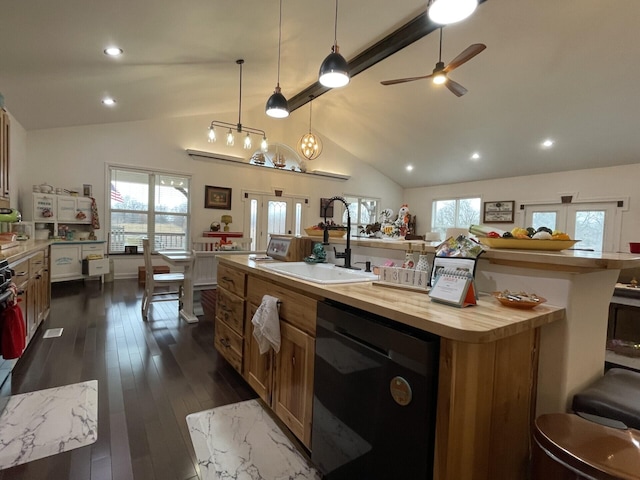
542,238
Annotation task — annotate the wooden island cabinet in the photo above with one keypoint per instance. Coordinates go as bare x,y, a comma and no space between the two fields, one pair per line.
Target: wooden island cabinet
499,367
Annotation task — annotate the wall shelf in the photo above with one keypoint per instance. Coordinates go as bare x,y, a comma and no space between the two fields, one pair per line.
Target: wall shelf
208,156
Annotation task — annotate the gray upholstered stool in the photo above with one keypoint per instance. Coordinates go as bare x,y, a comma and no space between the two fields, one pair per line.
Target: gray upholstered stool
616,395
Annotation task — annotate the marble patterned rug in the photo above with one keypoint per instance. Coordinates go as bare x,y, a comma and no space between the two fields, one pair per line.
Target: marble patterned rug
241,441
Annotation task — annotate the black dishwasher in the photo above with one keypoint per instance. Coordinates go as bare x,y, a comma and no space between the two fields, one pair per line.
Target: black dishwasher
374,403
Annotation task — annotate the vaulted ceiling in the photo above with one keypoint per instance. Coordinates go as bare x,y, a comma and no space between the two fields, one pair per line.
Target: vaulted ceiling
563,70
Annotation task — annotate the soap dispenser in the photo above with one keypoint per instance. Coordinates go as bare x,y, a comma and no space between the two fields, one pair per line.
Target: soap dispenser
409,259
423,261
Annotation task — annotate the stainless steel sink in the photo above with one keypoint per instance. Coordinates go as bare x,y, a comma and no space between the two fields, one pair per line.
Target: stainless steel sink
324,273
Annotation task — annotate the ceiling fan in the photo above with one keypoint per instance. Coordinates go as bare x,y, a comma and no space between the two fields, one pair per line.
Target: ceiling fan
441,71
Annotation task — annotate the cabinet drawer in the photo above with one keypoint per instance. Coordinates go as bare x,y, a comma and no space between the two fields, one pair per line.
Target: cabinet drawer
92,248
232,280
230,309
21,271
36,262
229,344
95,267
297,309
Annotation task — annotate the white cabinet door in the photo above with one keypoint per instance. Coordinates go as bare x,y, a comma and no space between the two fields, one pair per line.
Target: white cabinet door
83,210
44,207
66,209
66,263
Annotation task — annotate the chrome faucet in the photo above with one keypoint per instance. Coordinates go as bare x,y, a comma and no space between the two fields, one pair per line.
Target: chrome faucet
325,238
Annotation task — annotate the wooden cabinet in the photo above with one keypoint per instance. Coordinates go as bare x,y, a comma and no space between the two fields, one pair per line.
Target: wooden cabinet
4,154
230,306
284,380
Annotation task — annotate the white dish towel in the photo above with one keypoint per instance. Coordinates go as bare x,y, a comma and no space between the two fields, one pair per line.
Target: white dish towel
266,324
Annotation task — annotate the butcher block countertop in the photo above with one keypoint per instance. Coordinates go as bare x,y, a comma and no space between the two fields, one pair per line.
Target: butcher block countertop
486,322
23,249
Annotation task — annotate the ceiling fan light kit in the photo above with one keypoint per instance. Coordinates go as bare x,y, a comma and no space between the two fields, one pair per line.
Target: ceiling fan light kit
334,71
440,74
277,105
445,12
230,137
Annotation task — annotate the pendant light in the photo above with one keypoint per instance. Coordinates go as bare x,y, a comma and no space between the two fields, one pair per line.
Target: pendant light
277,106
310,145
450,11
334,71
239,127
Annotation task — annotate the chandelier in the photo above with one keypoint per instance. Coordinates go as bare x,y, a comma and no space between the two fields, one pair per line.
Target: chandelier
310,145
230,136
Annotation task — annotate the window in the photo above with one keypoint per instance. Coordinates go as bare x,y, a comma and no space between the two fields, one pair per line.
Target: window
455,213
146,204
363,211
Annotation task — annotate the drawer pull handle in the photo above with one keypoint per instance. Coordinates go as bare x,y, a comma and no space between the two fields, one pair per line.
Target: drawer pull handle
229,280
225,342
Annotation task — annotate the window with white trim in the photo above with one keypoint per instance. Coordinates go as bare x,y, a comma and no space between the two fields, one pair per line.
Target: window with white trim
148,204
455,213
363,211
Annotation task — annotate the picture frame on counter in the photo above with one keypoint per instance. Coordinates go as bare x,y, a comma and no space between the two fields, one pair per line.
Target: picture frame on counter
498,212
217,197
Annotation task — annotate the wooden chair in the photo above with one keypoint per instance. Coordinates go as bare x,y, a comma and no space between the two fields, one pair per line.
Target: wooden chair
155,280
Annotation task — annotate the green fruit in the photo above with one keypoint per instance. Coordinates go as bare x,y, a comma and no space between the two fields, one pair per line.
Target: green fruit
531,231
507,235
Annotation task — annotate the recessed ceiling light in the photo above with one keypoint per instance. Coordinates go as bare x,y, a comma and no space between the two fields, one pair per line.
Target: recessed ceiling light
409,168
548,143
108,101
113,51
475,156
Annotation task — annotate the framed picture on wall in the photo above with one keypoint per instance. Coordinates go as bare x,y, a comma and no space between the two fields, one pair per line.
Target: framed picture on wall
323,203
217,197
498,212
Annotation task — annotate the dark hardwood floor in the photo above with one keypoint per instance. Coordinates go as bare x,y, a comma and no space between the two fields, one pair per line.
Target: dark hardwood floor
150,376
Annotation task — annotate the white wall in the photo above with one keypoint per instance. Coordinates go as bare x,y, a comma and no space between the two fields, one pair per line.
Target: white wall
71,157
611,183
17,159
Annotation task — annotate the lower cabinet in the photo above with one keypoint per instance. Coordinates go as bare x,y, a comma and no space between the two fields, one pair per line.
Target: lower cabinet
67,261
284,380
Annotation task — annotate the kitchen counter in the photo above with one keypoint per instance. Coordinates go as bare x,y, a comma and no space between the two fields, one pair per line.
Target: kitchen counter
487,322
23,249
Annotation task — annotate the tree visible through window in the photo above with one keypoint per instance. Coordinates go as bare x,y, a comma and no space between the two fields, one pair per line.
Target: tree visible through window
146,204
455,213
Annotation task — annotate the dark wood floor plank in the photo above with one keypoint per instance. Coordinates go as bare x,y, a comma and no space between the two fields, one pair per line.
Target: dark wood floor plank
150,374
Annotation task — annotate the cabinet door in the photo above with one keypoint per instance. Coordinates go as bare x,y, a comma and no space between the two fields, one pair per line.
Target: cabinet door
25,304
293,381
83,210
230,309
258,372
66,209
44,207
65,262
4,154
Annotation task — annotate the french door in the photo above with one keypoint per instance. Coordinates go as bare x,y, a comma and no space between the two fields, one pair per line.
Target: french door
594,224
267,215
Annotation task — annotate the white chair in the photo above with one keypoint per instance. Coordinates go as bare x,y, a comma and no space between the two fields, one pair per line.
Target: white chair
155,280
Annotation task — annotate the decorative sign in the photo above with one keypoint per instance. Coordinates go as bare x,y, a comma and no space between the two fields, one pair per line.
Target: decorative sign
498,212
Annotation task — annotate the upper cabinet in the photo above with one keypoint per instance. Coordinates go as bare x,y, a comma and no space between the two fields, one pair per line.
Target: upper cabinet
48,207
4,154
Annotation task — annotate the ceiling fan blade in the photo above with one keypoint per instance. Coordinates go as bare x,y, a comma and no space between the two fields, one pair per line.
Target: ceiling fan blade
465,56
457,89
404,80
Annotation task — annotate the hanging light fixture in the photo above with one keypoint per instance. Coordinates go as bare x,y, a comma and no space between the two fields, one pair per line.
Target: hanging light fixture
450,11
334,71
277,105
230,137
310,145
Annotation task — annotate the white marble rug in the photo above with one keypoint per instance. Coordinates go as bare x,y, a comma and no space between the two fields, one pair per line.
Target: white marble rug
242,442
45,422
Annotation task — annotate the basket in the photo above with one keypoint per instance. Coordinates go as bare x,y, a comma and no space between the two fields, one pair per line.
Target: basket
333,232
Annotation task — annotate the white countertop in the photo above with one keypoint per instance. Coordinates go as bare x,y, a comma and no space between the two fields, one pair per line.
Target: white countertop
39,424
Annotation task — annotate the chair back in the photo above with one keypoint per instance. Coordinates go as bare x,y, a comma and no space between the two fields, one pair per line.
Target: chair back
148,265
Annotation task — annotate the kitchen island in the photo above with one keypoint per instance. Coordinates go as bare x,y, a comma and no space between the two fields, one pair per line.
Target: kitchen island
495,362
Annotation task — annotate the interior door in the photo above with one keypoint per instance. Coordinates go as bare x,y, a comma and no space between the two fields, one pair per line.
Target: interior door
268,215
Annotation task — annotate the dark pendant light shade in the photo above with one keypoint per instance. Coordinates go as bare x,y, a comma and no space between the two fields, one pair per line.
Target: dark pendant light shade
334,71
277,105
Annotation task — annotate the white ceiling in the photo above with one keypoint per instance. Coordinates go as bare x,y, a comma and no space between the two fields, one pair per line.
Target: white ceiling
561,69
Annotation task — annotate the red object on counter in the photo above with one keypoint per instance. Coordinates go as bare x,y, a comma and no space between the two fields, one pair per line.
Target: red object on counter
223,236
